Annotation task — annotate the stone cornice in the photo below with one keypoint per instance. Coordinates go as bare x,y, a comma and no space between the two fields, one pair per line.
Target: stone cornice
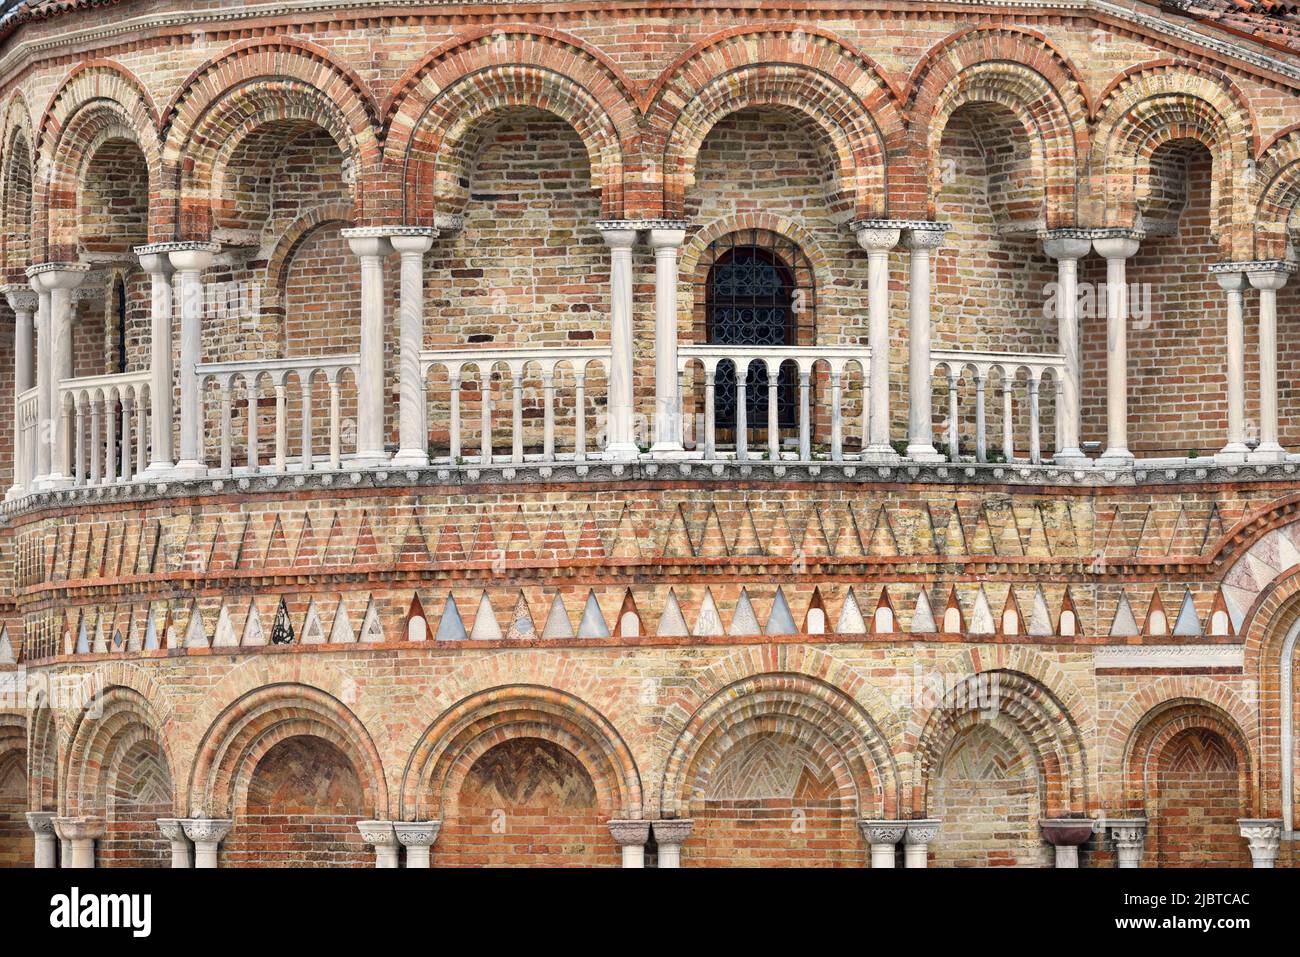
156,249
40,269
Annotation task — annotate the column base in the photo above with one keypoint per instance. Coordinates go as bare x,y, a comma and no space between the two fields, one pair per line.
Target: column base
368,460
1071,458
410,459
15,491
1234,453
189,469
1116,458
1266,454
621,452
668,450
924,453
881,455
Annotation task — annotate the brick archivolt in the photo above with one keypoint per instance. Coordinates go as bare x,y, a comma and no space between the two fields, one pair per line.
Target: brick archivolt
881,133
111,725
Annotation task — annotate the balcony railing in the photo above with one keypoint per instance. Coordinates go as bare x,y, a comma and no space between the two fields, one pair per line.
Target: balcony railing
1038,369
563,375
220,382
25,432
99,415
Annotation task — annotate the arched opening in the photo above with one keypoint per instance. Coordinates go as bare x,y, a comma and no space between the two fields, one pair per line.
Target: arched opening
138,793
526,802
991,277
987,795
1198,801
16,840
303,801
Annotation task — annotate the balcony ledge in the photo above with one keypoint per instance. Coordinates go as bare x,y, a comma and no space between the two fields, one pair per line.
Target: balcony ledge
434,478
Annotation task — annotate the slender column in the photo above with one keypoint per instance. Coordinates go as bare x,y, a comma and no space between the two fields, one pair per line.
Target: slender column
916,842
882,837
670,836
621,437
411,245
81,833
371,248
1116,246
920,239
631,836
58,280
23,302
1067,247
173,829
1233,282
878,240
666,240
1130,839
44,397
1066,835
1268,278
1264,837
417,837
207,835
381,835
189,260
42,825
981,432
155,261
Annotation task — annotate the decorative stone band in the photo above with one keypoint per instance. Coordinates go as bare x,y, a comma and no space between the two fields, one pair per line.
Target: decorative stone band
910,225
1169,656
639,225
1264,838
40,269
388,232
1091,232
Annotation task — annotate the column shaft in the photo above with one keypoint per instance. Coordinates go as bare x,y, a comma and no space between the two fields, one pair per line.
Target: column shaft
161,424
668,400
920,424
620,435
412,397
1234,283
371,250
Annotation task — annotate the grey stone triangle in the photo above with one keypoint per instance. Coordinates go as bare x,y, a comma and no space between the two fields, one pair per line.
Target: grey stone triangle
224,637
372,629
450,626
486,627
521,621
923,622
780,621
254,634
708,622
100,644
851,621
341,632
195,635
557,621
1124,624
1188,623
313,629
1040,618
672,623
6,648
83,638
743,620
981,621
151,631
593,623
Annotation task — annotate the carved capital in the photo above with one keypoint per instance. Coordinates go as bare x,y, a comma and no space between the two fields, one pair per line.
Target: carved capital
1067,831
172,828
672,832
882,832
41,822
206,830
922,832
632,833
417,833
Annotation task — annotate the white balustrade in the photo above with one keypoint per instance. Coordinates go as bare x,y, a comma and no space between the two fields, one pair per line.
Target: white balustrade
25,433
106,419
835,361
1043,373
520,368
298,373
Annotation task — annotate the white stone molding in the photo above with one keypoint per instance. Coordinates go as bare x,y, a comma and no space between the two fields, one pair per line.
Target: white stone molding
383,837
207,835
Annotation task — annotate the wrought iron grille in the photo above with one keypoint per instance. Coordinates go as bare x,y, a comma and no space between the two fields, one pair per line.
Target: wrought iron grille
751,296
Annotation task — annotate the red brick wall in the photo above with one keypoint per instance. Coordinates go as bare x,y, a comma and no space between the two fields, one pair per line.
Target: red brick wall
526,802
141,794
16,840
1198,805
304,801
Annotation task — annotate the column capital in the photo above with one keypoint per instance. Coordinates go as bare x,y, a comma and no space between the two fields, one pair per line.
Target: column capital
172,828
1268,273
1263,837
630,833
1066,831
412,239
666,233
41,822
81,828
1231,276
367,241
378,833
877,235
57,275
882,831
1116,243
189,257
206,829
21,298
416,833
1066,243
922,831
921,234
674,831
620,233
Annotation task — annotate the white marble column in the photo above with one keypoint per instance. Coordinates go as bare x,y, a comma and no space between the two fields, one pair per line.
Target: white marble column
920,239
669,837
189,260
1116,246
370,246
1268,278
631,836
666,240
882,838
155,261
1264,838
620,435
81,834
878,238
916,842
417,837
173,829
383,838
1129,837
1066,835
23,302
54,361
411,244
41,454
1233,282
1067,247
42,825
207,834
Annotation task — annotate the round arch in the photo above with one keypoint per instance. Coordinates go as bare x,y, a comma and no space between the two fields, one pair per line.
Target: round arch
114,721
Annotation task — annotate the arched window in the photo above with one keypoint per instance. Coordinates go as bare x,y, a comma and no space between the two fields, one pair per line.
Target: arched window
119,310
751,298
